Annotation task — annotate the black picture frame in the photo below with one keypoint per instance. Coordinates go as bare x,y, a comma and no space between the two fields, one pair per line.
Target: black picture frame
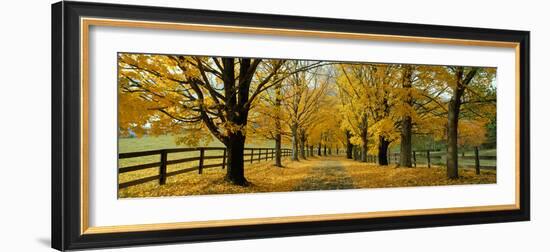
66,124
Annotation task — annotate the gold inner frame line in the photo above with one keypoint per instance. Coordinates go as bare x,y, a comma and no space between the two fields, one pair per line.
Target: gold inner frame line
85,24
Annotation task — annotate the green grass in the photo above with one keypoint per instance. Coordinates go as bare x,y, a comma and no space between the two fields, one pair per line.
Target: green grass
168,141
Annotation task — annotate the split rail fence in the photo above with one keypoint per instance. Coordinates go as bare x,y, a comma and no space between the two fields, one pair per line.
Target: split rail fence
435,157
253,154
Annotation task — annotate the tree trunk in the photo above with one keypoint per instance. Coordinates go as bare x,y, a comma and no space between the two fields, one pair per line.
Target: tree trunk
325,150
364,145
278,153
311,150
452,137
349,146
278,125
235,159
383,150
319,150
476,153
302,144
406,123
452,119
294,129
405,159
237,114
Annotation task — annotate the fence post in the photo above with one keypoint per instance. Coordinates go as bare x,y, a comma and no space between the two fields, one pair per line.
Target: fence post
223,159
476,151
266,154
414,158
251,156
428,157
260,155
201,160
162,169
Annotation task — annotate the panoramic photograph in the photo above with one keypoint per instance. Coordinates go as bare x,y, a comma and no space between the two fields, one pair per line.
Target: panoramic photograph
203,125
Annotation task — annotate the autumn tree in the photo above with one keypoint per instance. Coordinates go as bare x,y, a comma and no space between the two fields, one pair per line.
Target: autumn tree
267,120
327,132
466,85
416,106
406,107
189,94
382,98
304,93
354,86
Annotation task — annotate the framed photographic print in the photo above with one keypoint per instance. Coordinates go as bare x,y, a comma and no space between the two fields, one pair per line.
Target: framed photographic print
180,125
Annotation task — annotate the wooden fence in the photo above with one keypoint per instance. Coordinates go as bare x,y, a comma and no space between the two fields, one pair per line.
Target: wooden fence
254,154
435,157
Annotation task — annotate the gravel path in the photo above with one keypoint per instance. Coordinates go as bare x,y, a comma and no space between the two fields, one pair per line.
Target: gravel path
329,176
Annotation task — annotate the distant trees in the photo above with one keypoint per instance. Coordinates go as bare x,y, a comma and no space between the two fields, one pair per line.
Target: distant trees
268,119
305,92
354,85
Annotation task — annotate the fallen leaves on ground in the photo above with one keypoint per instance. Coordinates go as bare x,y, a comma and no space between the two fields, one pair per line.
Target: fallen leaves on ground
265,177
374,176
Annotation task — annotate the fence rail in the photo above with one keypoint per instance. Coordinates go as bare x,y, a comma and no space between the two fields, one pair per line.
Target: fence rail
255,154
434,157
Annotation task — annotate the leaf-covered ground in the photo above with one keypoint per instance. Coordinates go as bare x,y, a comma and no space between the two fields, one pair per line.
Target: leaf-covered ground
327,173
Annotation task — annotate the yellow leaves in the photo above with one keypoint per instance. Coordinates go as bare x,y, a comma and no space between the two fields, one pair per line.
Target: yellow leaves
161,94
229,127
373,176
194,137
264,177
472,132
